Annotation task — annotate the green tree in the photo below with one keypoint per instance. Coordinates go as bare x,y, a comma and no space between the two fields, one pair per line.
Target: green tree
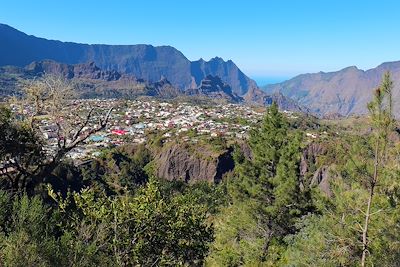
358,224
382,121
146,229
48,97
20,151
266,198
27,232
118,170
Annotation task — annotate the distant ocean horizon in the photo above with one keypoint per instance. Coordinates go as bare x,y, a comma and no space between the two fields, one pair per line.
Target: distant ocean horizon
265,80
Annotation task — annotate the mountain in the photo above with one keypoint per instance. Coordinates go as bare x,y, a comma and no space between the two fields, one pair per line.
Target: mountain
227,71
91,80
80,71
343,92
212,86
143,61
94,82
256,96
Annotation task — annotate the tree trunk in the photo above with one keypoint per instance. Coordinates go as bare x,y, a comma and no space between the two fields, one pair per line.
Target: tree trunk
369,204
266,246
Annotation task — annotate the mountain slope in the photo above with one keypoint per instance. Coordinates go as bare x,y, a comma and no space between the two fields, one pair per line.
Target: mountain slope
342,92
212,86
90,79
227,71
143,61
256,96
94,82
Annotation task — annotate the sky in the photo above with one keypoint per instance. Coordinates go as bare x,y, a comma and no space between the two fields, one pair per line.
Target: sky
268,40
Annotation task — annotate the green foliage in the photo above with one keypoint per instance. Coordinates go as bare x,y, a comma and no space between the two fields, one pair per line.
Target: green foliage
118,170
266,199
204,193
18,141
332,237
359,222
27,232
145,229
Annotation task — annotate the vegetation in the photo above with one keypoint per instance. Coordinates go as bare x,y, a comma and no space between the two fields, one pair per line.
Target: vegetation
271,210
265,198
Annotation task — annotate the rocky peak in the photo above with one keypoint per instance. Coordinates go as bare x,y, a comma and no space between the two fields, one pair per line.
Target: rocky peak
163,88
162,82
39,68
212,86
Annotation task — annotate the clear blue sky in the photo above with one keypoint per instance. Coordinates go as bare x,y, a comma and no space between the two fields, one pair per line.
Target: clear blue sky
266,39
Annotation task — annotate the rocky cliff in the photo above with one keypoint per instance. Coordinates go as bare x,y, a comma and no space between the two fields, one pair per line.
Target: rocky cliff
191,164
80,71
212,86
142,61
311,171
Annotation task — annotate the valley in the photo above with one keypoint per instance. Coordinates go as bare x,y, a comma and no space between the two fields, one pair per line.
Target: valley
129,136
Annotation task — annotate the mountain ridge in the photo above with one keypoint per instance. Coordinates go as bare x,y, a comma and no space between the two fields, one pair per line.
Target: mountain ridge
94,82
143,61
344,92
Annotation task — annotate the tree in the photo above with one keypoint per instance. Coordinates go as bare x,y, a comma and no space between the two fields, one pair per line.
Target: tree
27,232
146,229
358,223
382,121
49,98
266,198
20,150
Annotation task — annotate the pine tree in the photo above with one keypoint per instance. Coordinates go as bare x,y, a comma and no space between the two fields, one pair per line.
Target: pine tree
382,121
266,198
358,223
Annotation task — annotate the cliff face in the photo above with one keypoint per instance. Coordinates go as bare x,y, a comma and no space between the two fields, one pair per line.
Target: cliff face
312,174
92,80
178,162
143,61
212,86
82,71
226,70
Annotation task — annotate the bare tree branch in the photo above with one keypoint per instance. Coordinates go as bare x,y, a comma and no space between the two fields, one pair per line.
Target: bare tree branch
78,132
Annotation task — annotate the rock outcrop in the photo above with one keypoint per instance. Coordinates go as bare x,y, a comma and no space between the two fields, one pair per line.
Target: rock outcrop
310,155
322,178
179,162
78,71
311,174
213,87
